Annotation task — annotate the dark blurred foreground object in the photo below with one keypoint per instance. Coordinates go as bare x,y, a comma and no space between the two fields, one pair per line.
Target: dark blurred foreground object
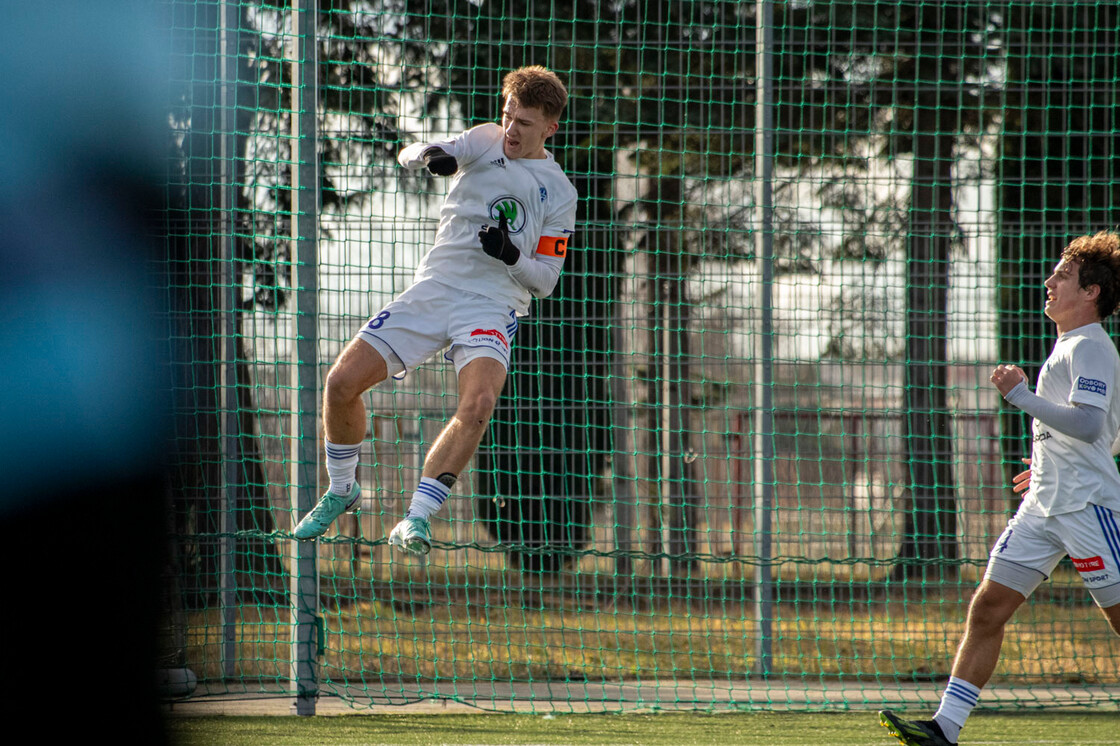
84,400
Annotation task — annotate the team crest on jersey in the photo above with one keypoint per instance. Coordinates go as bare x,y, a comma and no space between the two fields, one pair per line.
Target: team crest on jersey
512,208
544,194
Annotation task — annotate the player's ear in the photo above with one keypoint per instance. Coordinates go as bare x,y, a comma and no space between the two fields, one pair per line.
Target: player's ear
553,126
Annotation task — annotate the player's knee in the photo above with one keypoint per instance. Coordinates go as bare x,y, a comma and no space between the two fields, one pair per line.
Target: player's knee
990,610
341,385
359,368
476,406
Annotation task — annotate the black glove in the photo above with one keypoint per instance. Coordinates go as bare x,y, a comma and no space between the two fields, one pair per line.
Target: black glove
496,243
439,162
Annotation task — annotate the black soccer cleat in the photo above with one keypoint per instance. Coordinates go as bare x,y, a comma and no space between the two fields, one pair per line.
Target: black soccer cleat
913,732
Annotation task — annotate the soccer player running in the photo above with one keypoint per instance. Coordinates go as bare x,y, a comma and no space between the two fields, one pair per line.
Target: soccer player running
502,239
1073,503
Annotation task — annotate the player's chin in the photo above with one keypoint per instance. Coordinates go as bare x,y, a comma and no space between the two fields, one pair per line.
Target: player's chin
512,149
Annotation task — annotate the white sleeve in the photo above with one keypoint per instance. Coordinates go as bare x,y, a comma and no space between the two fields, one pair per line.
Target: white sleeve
466,147
411,157
1091,365
561,222
539,267
1082,421
538,276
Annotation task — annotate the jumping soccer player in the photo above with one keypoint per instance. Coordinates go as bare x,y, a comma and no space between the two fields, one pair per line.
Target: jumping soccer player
502,238
1073,503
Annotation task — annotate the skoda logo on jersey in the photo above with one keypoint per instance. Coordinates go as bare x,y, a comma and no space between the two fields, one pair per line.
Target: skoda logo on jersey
512,208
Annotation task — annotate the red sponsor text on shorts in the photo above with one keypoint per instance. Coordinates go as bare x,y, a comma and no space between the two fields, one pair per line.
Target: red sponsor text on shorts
1090,564
491,333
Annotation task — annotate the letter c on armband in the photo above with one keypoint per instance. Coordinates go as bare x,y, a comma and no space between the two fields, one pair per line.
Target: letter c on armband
552,246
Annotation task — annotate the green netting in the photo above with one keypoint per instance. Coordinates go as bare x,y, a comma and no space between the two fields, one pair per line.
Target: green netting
604,551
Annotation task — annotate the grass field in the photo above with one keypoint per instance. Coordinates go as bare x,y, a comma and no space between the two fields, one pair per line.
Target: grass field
1063,728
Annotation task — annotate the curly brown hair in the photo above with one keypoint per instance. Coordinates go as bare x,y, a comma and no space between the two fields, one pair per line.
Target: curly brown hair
1099,259
536,87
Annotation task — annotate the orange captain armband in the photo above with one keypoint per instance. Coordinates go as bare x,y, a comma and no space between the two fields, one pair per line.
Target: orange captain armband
552,246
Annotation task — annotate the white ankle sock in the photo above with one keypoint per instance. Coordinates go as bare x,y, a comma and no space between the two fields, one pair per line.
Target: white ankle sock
428,499
342,465
956,705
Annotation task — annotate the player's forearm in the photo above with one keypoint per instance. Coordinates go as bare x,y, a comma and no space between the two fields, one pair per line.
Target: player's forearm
1079,421
412,157
536,275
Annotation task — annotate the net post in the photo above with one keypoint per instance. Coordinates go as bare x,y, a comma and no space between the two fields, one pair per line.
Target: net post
230,427
764,246
305,292
623,474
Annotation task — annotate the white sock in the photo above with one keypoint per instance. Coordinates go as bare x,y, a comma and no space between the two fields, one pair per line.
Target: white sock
342,466
956,705
428,499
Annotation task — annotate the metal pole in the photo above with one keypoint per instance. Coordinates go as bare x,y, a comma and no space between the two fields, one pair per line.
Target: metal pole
228,419
305,380
764,244
623,466
666,477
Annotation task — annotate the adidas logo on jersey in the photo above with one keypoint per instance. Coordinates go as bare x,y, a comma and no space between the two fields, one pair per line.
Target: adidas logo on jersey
499,162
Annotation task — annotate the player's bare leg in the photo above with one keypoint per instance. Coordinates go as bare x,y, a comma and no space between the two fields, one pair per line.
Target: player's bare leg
1112,614
359,367
992,606
480,384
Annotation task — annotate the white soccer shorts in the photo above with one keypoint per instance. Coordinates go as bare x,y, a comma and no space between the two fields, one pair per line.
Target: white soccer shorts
1032,546
431,316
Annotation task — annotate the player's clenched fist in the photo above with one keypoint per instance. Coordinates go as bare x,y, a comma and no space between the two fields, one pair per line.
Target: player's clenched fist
1007,377
439,162
496,243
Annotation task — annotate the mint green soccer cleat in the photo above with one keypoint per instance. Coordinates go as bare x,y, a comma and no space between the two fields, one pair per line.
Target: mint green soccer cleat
413,535
913,732
330,507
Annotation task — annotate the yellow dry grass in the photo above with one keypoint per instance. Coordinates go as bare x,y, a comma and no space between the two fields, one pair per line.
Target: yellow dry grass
499,634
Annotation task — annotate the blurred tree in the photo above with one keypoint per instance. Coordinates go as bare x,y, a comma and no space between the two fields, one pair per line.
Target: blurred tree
1060,176
916,77
196,225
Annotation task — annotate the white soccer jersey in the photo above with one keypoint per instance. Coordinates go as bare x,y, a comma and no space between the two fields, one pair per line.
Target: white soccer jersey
1067,473
535,195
